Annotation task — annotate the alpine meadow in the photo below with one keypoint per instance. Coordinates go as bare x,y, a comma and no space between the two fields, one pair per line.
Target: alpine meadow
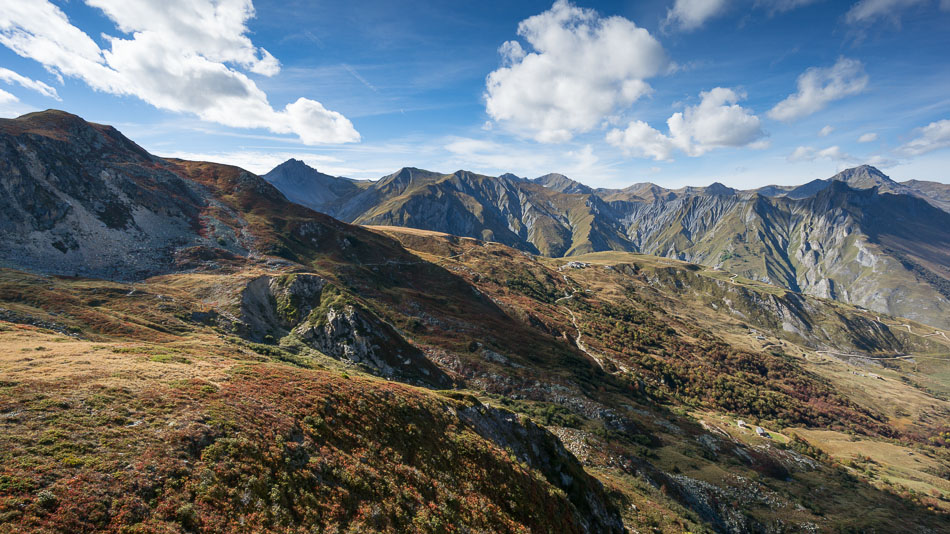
676,266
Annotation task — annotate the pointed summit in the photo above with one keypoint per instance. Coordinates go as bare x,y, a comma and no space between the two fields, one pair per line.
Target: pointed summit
405,177
562,184
864,177
292,163
309,187
717,188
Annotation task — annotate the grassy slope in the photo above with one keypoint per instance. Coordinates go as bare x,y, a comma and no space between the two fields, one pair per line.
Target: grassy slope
244,416
690,319
182,429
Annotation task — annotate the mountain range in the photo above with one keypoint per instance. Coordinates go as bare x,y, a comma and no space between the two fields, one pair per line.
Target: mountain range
185,348
858,237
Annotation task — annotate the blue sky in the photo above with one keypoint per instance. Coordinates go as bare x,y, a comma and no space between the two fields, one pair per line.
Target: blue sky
677,92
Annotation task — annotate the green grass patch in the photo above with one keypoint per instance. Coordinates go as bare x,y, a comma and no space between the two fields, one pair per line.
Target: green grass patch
169,358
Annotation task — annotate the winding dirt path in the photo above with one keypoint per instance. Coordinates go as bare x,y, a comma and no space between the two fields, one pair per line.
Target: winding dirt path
864,356
578,340
936,333
909,330
879,358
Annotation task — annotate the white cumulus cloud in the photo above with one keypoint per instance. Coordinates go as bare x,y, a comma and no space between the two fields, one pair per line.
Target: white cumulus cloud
818,86
579,69
688,15
867,138
717,121
935,135
215,29
826,131
642,140
180,55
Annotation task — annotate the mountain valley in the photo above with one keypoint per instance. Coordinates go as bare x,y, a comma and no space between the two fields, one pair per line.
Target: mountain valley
188,347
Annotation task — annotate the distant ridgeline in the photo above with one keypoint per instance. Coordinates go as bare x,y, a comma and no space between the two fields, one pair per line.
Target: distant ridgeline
858,237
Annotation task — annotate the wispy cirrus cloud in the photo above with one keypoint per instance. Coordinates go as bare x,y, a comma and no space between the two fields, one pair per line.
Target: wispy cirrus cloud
781,6
868,11
688,15
496,157
9,76
807,153
934,136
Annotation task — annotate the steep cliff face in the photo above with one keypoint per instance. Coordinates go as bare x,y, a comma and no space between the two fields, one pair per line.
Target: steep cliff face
884,252
532,445
349,332
508,210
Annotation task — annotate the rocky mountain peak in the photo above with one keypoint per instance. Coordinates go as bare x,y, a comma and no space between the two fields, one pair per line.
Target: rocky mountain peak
293,169
52,120
717,188
402,180
562,184
463,174
307,186
297,170
864,177
293,163
403,175
82,136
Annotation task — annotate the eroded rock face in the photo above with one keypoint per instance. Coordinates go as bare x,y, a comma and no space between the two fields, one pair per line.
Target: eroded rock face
324,318
794,316
543,451
344,333
839,243
273,305
351,333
